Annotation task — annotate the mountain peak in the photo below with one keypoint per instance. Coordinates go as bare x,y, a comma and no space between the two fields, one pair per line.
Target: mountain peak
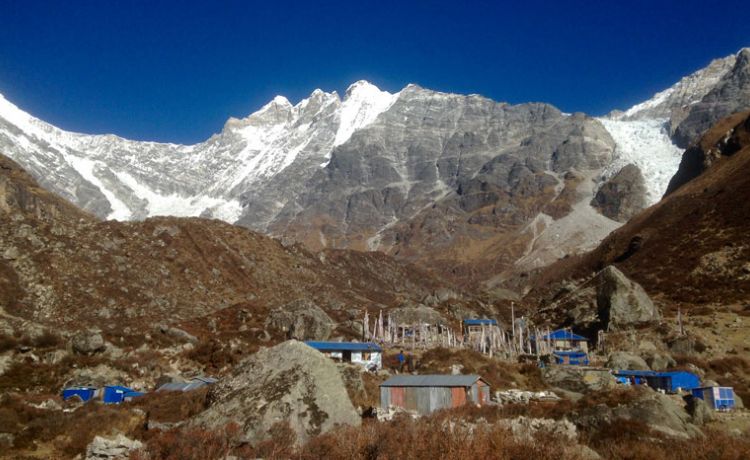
361,86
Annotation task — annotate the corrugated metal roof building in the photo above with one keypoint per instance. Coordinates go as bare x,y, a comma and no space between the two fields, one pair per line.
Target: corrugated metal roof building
428,393
367,354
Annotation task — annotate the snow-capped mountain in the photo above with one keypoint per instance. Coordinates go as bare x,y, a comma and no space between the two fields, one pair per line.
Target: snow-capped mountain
116,178
441,178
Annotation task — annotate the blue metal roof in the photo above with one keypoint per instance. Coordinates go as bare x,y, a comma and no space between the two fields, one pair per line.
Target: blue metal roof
435,380
344,346
480,321
562,334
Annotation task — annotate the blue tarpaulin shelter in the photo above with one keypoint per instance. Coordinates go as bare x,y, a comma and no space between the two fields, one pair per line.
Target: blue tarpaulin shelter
84,393
669,381
115,394
564,334
718,398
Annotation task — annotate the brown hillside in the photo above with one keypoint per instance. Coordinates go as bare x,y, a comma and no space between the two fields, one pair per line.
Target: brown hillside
61,267
693,246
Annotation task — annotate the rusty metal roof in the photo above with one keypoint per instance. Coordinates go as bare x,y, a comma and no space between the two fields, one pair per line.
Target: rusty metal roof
434,380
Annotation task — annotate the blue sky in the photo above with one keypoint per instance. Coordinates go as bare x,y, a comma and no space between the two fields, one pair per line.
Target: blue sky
175,71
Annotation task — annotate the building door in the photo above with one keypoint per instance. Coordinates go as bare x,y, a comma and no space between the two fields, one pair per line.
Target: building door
346,356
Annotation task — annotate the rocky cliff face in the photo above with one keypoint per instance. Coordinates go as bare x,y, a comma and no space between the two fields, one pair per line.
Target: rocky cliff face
731,94
725,139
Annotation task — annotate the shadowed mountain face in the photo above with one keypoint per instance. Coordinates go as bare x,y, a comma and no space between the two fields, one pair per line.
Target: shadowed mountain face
62,267
691,247
475,189
731,94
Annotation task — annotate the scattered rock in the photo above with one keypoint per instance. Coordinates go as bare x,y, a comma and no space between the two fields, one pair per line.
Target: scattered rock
622,303
660,362
177,333
416,314
626,361
97,376
527,427
301,320
87,342
290,382
117,448
11,253
683,345
524,397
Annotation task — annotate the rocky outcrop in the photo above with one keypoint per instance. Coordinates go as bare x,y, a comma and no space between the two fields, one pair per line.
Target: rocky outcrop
663,413
88,342
116,448
730,95
577,379
626,361
622,303
301,320
660,361
290,382
528,427
723,140
623,195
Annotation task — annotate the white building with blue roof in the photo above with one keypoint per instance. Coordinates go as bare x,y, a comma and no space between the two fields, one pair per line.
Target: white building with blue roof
366,354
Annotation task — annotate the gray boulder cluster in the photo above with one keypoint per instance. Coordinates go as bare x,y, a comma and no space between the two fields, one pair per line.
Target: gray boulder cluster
289,383
609,300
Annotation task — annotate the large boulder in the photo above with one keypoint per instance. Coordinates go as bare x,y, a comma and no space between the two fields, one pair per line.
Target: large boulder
416,314
622,303
699,411
87,342
578,379
660,362
301,320
663,413
625,361
622,196
290,382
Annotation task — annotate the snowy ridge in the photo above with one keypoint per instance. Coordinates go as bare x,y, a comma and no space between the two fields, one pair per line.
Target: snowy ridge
140,179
